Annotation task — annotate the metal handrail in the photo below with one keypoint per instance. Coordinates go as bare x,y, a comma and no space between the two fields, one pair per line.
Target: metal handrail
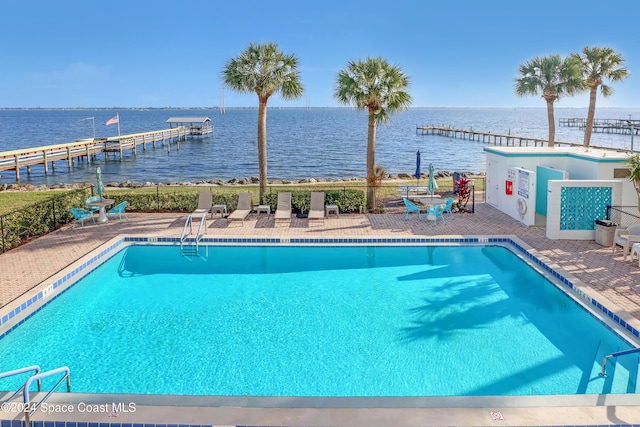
28,409
184,234
603,372
203,225
34,368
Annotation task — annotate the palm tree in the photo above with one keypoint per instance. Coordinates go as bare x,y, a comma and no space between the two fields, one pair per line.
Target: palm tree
375,181
633,163
379,88
265,70
551,77
599,64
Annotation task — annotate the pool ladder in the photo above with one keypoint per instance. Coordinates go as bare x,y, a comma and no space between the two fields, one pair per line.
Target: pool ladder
189,248
37,376
603,369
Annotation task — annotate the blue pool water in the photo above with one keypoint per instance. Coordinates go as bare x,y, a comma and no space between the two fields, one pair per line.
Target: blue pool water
320,321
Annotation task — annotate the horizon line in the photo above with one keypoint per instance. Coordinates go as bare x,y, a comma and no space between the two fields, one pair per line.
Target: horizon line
291,108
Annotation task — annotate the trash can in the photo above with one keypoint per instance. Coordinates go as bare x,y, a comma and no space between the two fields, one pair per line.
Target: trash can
605,231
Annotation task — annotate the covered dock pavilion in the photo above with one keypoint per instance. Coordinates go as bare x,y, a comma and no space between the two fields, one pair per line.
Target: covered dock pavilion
197,126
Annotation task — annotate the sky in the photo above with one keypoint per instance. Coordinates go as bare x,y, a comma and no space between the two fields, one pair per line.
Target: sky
158,53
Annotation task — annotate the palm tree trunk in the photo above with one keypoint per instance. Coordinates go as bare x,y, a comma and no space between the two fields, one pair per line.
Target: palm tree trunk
371,159
552,123
590,115
262,146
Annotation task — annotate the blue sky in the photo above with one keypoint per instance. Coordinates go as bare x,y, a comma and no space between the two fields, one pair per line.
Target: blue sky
133,53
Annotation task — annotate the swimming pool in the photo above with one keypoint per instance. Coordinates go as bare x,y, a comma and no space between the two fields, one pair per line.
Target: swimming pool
321,321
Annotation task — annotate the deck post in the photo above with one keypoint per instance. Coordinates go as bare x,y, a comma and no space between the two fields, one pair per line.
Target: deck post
17,168
44,161
88,153
69,160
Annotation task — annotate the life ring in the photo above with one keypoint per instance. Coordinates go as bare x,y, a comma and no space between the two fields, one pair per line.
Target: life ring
522,207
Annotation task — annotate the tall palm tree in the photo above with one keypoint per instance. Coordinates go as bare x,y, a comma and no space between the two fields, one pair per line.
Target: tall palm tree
265,70
599,64
380,89
551,77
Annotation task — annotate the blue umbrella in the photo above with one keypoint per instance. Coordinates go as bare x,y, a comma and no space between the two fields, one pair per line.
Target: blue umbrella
99,185
432,186
417,174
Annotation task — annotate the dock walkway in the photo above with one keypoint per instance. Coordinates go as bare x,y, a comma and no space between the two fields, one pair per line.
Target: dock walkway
619,126
89,148
499,139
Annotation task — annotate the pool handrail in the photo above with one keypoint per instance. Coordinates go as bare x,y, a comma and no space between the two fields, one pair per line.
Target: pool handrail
28,409
202,229
184,234
34,368
603,372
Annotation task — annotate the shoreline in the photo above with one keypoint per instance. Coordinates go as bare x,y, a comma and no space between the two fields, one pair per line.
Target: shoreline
218,182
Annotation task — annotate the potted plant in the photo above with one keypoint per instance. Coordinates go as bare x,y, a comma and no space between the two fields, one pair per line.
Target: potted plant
464,193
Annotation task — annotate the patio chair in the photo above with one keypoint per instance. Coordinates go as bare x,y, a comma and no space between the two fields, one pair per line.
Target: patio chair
436,212
243,210
119,211
410,207
93,199
316,210
448,205
283,210
205,199
626,237
80,214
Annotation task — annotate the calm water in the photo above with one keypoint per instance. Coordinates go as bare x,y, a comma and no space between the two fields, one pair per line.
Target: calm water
339,321
321,143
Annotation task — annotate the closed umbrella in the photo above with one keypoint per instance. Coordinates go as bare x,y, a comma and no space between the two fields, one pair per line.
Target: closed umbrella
418,173
99,184
432,186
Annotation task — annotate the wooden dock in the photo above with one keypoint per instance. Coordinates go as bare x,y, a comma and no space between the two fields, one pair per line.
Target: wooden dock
484,137
501,139
619,126
88,148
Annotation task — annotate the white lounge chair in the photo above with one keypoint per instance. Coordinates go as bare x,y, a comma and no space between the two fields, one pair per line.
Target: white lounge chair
283,210
205,199
316,210
626,237
243,210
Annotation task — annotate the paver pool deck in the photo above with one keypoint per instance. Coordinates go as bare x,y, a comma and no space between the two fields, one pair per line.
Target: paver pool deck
23,268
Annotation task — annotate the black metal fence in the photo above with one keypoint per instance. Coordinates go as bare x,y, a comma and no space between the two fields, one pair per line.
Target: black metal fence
22,225
623,216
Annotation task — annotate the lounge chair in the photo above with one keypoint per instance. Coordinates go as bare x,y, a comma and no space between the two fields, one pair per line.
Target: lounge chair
436,212
316,210
93,199
205,199
626,237
448,205
80,214
410,207
283,210
243,210
119,211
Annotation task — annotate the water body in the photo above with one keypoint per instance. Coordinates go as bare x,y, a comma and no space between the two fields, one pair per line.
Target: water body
320,143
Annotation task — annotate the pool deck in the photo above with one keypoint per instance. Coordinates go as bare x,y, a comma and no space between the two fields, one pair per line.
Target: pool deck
23,268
